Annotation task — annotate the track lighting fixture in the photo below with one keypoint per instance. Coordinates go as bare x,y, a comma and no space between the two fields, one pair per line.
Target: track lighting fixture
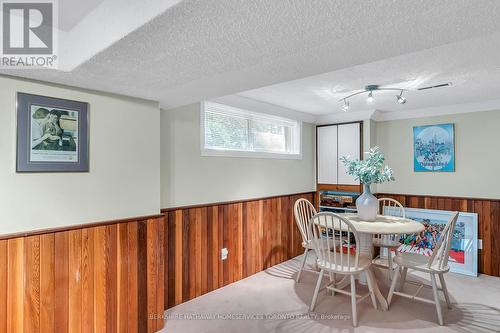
370,89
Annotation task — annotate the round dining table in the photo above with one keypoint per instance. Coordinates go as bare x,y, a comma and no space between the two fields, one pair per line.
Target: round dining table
385,225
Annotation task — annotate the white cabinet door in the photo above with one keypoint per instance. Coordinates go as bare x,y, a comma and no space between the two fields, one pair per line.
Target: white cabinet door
348,144
327,154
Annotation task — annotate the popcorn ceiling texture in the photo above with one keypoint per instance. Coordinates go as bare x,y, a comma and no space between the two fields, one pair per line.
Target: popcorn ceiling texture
204,49
472,66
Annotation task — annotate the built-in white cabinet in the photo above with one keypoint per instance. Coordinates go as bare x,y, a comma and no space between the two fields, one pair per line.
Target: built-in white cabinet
327,155
335,141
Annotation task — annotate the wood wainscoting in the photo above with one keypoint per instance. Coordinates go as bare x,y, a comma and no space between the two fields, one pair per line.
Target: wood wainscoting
488,211
258,234
107,277
119,276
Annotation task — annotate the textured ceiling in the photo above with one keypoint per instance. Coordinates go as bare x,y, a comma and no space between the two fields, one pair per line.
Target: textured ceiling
205,49
472,67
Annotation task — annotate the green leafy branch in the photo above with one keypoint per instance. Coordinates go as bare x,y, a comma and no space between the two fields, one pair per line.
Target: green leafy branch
370,170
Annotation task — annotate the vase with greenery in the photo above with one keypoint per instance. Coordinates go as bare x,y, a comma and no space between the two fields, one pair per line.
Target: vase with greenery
369,171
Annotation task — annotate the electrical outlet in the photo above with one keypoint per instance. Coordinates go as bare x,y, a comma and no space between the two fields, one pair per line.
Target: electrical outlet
223,253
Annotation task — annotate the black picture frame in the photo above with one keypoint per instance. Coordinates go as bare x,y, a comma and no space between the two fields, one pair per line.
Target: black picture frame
69,153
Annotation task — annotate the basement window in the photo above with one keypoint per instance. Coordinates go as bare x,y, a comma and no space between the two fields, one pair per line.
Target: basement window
231,131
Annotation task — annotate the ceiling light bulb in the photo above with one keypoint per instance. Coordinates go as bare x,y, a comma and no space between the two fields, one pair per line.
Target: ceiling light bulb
345,107
370,97
400,98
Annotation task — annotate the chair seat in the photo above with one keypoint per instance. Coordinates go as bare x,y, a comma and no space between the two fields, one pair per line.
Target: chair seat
363,263
418,262
310,246
382,261
384,242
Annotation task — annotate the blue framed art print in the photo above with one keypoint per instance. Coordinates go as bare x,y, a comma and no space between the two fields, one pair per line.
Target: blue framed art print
434,148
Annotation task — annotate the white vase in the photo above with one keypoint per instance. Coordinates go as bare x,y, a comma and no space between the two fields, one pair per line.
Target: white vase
367,205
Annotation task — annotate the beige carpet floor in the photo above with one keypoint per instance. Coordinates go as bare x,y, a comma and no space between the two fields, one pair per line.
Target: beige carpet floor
271,301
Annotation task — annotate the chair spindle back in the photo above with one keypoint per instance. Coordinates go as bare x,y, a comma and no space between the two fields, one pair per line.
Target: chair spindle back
331,238
398,210
303,211
441,251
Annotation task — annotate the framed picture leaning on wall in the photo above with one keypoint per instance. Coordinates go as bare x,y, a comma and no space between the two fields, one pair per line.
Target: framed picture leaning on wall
52,134
464,250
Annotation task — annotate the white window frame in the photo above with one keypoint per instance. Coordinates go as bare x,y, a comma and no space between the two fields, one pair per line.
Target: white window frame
245,153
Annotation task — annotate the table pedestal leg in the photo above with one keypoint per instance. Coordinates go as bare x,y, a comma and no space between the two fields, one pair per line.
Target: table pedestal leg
381,299
366,249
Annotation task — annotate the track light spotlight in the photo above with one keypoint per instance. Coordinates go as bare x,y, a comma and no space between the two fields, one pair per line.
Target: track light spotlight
345,107
370,97
400,98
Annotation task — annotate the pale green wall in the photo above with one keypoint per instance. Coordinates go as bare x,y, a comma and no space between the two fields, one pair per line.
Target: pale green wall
124,172
369,134
188,178
370,141
373,133
477,145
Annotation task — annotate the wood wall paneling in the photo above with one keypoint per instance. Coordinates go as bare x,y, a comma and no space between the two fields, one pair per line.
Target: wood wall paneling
3,284
120,276
488,211
258,234
87,279
15,281
84,280
133,277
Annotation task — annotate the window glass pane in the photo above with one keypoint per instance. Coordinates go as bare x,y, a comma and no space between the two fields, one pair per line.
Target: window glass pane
268,136
233,129
225,131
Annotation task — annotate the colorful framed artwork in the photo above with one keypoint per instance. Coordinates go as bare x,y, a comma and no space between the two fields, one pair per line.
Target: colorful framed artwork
434,148
463,253
52,134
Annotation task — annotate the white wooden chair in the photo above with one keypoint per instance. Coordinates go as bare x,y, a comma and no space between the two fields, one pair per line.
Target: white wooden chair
436,264
387,243
344,257
303,211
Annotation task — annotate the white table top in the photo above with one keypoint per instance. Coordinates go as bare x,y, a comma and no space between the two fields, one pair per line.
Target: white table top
385,225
